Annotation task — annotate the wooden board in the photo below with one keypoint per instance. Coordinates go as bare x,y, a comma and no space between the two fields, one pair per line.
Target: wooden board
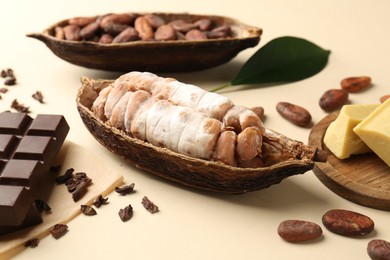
362,179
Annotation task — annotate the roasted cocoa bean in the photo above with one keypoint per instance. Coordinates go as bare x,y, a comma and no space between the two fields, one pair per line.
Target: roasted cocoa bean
154,20
105,39
72,33
195,35
127,18
355,84
294,113
59,33
128,35
148,26
384,98
81,21
347,223
299,230
204,24
144,29
182,26
333,99
378,249
165,33
89,31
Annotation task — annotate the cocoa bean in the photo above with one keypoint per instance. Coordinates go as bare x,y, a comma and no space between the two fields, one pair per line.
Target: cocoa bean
299,230
114,28
72,32
378,249
195,35
117,18
165,33
59,33
130,34
216,35
355,84
384,98
81,21
144,29
333,99
204,24
89,31
259,111
347,223
154,20
106,39
294,113
182,26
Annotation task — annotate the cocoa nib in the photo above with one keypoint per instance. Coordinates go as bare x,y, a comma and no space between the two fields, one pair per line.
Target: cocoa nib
32,243
19,107
58,230
149,205
38,96
100,201
42,205
125,189
65,177
126,213
88,210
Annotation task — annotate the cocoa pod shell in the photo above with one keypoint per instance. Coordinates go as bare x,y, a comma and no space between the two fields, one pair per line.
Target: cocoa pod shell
193,172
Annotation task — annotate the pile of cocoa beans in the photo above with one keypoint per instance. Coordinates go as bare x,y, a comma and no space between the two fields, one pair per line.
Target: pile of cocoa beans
127,27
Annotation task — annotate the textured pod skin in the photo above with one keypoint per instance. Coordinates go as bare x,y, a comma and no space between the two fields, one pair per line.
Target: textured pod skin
202,174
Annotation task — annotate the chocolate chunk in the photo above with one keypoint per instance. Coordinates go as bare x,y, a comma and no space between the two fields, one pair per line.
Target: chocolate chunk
28,148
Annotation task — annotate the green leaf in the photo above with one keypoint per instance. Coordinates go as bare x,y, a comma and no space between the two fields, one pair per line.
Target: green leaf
284,59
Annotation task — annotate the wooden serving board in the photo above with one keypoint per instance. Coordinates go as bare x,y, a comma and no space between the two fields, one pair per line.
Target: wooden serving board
362,179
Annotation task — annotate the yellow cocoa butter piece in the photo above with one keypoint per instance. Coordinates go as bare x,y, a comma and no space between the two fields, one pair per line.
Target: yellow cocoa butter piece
374,130
340,137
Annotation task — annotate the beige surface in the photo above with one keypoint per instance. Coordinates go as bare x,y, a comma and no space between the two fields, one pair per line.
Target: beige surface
194,224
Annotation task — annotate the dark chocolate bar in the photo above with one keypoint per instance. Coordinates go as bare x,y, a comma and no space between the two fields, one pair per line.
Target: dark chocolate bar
28,148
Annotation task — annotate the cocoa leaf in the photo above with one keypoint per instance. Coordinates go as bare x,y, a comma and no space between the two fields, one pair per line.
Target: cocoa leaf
284,59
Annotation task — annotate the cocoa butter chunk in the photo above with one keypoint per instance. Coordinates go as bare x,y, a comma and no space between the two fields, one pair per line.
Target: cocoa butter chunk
28,148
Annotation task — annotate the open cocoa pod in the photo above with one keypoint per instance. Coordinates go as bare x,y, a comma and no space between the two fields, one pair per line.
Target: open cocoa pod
154,55
194,172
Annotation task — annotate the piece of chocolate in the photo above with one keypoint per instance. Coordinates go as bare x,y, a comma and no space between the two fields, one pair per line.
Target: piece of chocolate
28,148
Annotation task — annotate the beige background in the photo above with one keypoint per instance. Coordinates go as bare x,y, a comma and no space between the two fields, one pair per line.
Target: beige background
193,224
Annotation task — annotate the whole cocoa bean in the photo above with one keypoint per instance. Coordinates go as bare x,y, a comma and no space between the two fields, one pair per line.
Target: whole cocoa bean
384,98
59,33
355,84
128,35
216,35
333,99
144,29
165,33
204,24
114,28
154,20
378,249
259,111
294,113
106,39
347,223
81,21
88,31
72,32
195,35
299,230
182,26
127,18
223,28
